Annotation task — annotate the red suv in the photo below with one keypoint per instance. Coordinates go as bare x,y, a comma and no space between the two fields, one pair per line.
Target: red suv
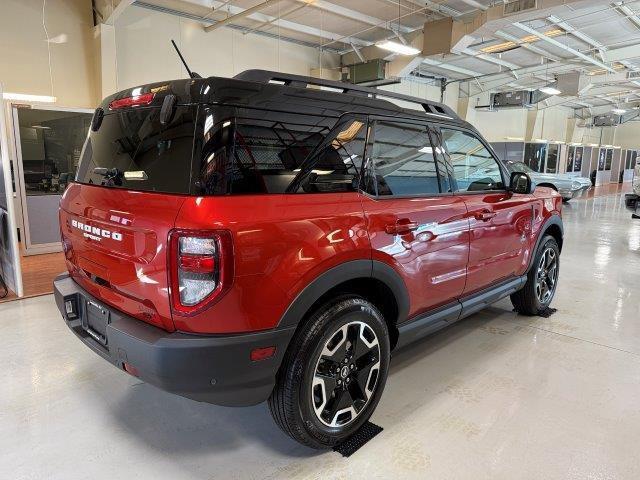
275,237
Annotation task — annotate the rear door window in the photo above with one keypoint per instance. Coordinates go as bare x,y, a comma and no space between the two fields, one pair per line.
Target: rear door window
403,160
131,149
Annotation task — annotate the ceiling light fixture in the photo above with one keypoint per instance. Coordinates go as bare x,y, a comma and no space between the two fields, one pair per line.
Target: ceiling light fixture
619,111
549,90
23,97
399,48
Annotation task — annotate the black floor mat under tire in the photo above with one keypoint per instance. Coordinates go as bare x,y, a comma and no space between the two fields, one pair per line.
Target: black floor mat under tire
356,441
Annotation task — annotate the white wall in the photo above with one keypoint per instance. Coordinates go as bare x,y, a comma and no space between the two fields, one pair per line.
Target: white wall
144,53
24,59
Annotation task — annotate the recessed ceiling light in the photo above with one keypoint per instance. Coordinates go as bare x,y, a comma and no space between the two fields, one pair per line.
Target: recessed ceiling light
619,111
396,47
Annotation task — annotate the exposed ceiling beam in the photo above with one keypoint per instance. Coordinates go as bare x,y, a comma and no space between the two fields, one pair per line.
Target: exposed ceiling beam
562,46
116,12
527,46
489,58
285,24
355,15
269,24
628,13
575,32
241,14
448,66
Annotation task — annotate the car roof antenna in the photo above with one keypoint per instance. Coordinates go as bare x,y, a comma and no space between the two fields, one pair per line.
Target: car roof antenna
191,74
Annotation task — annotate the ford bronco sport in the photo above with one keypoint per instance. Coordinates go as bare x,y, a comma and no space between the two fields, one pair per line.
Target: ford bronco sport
275,237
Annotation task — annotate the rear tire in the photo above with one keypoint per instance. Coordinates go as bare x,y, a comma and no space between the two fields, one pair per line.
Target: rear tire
319,399
542,280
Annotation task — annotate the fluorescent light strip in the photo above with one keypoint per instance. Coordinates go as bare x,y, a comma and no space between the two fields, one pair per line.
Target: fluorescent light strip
23,97
396,47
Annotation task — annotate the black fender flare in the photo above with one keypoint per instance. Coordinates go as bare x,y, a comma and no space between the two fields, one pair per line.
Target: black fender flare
351,270
554,219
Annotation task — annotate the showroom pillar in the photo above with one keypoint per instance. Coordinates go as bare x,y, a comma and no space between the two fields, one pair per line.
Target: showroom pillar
105,46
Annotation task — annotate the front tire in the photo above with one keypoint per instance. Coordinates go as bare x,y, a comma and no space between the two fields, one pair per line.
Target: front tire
542,280
333,373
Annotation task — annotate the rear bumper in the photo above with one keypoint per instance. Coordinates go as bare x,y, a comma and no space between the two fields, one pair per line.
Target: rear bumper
213,369
632,202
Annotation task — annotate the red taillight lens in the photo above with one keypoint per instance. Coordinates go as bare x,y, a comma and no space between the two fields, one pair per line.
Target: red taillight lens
200,268
134,101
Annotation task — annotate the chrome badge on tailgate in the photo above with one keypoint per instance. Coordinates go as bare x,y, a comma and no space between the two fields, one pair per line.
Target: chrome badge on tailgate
96,233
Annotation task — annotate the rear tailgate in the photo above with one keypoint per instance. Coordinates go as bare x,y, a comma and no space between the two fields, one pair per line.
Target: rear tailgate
133,177
115,245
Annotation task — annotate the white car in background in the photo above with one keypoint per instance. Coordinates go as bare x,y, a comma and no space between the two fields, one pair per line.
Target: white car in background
565,184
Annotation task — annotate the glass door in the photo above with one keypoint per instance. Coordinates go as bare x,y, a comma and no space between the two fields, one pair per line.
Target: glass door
48,143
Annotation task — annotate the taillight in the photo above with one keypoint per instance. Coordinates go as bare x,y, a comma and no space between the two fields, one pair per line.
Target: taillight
134,101
200,268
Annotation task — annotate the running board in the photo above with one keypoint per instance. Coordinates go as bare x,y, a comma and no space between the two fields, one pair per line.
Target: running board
422,326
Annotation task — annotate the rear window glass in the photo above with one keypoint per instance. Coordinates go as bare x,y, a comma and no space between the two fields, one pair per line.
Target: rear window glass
133,150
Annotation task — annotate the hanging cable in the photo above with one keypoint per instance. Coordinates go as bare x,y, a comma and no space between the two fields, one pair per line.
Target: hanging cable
46,33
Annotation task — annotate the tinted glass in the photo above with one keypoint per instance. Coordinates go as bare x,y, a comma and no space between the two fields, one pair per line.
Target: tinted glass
133,150
403,160
262,152
474,167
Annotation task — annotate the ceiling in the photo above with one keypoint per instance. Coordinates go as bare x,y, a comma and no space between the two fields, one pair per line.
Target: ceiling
582,33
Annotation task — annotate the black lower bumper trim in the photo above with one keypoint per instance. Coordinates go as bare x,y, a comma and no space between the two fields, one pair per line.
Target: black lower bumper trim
214,369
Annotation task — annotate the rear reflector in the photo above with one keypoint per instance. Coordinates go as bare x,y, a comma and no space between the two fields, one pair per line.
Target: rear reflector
135,101
262,353
198,263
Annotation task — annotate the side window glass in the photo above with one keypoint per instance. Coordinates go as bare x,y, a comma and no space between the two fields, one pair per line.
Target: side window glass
474,167
403,160
336,165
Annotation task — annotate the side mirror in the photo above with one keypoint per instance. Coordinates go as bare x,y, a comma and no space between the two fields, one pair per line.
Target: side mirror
521,183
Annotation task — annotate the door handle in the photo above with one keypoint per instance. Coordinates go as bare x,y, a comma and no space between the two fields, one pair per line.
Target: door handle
401,228
484,215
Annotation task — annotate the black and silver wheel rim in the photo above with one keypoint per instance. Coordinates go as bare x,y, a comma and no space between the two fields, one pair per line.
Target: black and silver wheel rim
346,374
547,275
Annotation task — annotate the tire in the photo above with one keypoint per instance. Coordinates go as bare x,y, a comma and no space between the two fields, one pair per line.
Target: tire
301,404
633,215
528,300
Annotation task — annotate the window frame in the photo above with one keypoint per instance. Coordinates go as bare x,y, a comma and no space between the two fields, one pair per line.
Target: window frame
506,178
368,168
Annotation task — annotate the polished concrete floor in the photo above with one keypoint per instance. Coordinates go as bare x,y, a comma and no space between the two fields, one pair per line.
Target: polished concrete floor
495,396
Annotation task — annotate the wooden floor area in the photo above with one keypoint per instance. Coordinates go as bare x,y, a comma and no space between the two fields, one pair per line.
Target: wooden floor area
38,272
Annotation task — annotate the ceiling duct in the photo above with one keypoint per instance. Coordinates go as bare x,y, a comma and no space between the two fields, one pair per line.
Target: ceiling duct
519,6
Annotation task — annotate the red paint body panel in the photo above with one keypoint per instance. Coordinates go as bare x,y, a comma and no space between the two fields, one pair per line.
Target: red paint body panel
281,243
501,242
432,259
132,272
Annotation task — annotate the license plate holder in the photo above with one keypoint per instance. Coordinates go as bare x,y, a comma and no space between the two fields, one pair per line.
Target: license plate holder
95,321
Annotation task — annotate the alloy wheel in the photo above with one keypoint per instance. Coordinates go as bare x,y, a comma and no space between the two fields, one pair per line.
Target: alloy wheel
346,374
547,275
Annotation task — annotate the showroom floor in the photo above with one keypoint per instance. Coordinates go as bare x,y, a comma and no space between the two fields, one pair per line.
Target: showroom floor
495,396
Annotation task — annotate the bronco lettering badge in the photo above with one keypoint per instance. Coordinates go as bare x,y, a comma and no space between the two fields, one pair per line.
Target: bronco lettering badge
96,233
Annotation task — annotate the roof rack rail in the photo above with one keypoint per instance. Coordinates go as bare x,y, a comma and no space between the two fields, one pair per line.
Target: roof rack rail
300,81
